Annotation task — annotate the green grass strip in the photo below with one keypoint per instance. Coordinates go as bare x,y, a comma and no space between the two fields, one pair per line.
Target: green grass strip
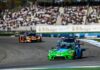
97,40
73,69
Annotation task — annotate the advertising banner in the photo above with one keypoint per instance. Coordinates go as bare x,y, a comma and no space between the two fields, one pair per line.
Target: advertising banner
67,28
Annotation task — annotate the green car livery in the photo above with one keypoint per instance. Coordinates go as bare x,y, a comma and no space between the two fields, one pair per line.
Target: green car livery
63,52
68,48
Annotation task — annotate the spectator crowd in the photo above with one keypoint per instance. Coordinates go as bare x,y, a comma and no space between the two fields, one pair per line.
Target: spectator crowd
74,15
35,14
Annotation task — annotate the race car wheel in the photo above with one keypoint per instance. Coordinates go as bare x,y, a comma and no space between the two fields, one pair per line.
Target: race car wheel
74,54
70,57
21,40
66,57
81,54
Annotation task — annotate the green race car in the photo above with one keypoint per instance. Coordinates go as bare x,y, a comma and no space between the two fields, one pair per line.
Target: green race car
67,48
62,52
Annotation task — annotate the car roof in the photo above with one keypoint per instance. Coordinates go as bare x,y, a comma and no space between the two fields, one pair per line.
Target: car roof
31,34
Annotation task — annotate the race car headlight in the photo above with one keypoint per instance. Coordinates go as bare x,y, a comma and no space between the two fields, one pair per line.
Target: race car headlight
70,52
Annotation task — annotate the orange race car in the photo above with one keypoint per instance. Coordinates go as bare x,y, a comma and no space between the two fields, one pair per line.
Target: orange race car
30,38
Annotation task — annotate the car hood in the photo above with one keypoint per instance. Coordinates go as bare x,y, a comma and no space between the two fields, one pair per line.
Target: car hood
58,51
62,50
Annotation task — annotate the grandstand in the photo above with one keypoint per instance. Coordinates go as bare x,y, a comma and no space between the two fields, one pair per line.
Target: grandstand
51,12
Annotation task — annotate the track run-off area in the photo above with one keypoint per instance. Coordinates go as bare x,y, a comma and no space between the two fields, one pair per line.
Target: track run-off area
15,54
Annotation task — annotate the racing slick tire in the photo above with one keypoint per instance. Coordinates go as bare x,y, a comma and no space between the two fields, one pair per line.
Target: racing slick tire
79,54
21,40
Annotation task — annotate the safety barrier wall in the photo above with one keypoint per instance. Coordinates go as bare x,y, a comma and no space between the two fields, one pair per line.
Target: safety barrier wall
79,35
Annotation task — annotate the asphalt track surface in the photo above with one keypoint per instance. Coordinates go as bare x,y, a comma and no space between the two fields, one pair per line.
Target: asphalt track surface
15,54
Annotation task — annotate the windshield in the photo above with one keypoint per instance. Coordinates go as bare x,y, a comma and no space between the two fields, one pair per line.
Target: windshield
31,34
69,40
